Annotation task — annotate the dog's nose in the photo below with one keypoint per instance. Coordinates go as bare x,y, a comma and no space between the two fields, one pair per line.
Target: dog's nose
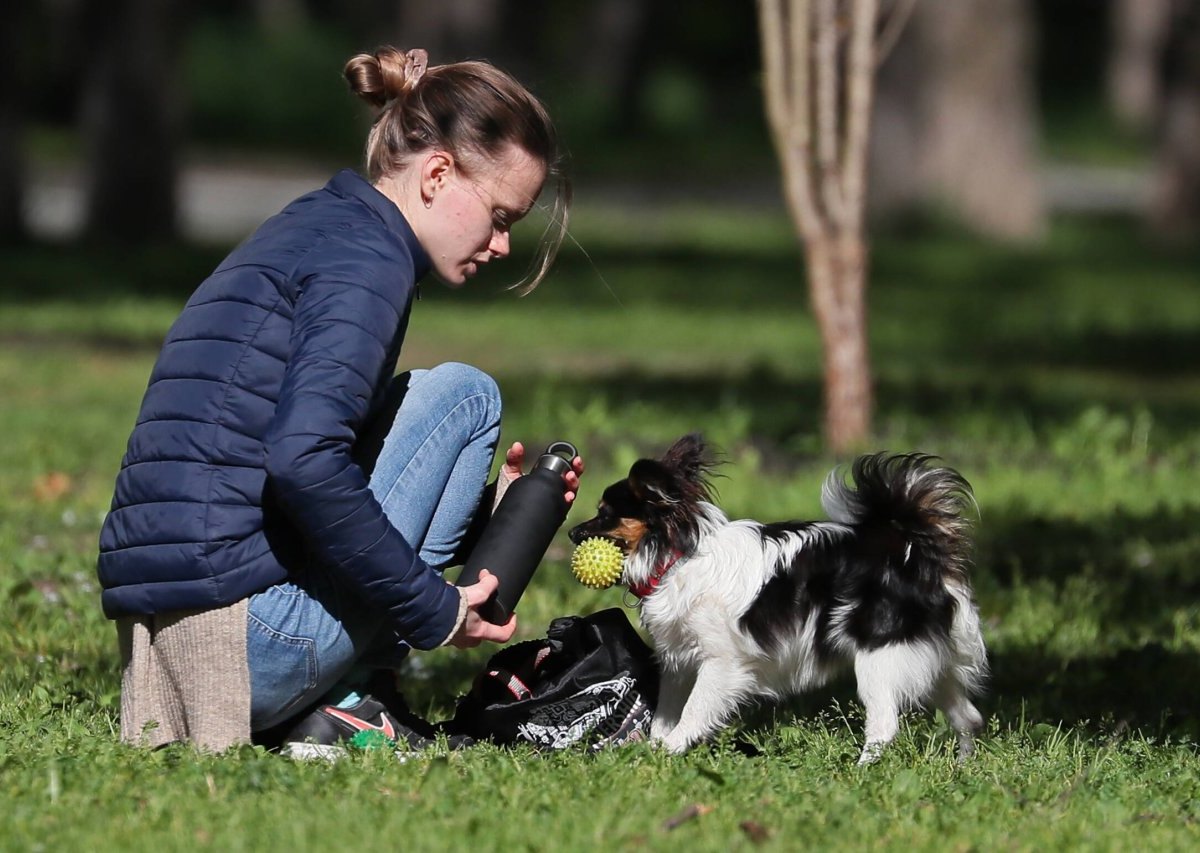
576,534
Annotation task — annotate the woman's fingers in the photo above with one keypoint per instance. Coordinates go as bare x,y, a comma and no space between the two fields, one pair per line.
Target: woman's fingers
495,633
482,589
514,459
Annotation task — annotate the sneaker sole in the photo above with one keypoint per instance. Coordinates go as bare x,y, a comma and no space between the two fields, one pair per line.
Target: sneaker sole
313,751
331,752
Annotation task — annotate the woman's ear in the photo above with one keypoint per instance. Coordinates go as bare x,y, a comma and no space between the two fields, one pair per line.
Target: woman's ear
436,169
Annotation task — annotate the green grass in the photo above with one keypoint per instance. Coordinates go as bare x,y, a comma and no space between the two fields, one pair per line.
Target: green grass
1062,381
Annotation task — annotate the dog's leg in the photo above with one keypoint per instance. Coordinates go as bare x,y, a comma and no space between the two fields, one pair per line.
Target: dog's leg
963,716
888,679
719,688
673,690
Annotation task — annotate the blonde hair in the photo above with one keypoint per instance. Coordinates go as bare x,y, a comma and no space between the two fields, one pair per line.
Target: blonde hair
473,110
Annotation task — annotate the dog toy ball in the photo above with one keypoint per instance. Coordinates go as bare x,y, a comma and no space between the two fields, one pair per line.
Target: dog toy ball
597,563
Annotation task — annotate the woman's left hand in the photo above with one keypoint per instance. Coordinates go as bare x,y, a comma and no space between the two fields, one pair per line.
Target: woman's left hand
511,470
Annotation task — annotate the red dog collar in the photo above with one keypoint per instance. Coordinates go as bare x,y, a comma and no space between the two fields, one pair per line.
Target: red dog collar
641,590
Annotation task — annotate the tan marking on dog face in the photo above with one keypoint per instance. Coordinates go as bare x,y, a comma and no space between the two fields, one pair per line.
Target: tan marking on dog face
631,531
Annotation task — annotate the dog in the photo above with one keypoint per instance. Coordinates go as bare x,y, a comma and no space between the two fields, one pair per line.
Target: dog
742,610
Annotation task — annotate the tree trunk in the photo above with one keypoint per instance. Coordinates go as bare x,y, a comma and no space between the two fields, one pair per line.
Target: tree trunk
1139,30
131,120
979,156
837,274
451,30
1175,207
614,55
819,58
11,190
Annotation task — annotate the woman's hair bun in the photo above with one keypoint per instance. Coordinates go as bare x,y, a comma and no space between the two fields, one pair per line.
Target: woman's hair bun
387,75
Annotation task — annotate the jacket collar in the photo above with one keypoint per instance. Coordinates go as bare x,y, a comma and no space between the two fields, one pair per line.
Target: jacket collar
349,184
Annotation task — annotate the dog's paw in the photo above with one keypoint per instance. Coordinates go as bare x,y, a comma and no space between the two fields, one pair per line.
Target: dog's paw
674,744
871,752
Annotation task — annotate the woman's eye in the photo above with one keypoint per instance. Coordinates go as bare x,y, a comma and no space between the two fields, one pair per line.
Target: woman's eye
500,219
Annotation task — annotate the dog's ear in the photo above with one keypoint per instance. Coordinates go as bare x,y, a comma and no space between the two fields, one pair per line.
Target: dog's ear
652,483
689,457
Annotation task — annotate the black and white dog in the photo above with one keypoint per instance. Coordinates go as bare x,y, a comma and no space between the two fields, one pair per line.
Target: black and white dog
741,609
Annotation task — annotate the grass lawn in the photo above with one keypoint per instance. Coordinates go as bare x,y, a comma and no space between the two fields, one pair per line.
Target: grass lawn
1062,381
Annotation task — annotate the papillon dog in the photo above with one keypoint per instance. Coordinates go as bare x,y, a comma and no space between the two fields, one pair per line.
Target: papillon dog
740,610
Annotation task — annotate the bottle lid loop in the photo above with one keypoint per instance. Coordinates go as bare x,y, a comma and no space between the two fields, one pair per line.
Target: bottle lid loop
552,459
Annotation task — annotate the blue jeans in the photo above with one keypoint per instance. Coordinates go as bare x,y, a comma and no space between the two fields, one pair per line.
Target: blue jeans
428,456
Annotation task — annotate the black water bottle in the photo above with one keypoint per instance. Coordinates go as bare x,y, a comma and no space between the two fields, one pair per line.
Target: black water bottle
519,531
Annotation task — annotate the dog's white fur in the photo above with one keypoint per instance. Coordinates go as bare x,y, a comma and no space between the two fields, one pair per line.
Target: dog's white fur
710,666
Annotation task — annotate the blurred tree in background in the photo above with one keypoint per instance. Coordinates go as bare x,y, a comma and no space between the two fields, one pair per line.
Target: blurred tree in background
131,117
1138,35
820,78
956,120
13,28
642,92
1176,210
977,100
1154,89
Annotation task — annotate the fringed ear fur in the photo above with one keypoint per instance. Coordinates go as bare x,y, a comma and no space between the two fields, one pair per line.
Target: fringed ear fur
650,483
688,456
680,475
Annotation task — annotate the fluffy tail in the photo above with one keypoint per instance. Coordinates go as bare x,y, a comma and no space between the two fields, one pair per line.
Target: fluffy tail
913,504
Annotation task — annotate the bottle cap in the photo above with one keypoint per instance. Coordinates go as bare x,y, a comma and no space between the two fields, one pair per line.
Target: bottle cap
552,461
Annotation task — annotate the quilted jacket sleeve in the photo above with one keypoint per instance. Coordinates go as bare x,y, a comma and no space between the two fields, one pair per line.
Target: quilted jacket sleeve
346,316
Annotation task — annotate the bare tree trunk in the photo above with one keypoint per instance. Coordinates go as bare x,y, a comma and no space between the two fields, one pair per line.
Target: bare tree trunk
1139,31
837,274
131,120
1175,208
819,59
979,156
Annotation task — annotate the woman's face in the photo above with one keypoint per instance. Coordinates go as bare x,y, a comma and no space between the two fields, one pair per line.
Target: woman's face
468,219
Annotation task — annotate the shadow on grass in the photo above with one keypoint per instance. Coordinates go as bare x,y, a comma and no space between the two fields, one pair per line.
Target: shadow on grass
782,410
1146,690
1137,571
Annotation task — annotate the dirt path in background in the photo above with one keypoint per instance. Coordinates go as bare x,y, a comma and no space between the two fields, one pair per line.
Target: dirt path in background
223,202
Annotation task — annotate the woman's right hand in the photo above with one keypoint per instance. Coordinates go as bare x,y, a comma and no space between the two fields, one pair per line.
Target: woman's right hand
475,629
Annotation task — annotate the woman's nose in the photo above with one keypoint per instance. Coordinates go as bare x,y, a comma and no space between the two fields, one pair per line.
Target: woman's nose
499,246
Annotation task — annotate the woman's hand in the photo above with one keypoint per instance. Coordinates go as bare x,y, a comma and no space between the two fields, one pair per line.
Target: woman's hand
511,470
475,629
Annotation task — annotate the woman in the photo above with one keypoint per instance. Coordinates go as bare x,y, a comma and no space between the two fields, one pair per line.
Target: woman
285,507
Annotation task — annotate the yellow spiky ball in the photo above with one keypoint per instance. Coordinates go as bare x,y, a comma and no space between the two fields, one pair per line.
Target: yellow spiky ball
597,563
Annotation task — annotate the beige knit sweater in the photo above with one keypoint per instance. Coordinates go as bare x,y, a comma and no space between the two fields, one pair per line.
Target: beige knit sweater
184,676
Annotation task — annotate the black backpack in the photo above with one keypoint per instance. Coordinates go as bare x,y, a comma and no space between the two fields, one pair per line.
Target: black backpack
592,681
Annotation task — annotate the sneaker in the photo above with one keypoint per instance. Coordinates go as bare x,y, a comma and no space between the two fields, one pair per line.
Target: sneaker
329,730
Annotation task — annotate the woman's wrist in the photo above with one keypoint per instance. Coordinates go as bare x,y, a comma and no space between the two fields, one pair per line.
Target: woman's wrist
460,619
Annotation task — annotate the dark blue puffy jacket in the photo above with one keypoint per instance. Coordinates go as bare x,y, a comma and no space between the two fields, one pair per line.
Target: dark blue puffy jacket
240,463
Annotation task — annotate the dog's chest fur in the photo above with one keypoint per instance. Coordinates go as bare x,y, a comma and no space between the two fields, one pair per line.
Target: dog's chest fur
697,613
694,613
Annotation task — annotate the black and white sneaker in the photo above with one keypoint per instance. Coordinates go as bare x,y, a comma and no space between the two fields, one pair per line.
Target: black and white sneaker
328,731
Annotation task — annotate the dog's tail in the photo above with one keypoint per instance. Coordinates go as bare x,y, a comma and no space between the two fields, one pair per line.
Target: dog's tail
921,511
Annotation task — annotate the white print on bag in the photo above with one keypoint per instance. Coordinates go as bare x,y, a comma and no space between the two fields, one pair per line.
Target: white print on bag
564,724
